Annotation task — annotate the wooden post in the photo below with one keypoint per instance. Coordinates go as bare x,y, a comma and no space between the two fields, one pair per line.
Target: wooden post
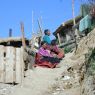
40,27
40,22
59,40
23,39
32,23
41,32
74,22
73,13
76,35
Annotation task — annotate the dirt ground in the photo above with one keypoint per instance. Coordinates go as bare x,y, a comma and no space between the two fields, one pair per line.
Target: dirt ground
40,81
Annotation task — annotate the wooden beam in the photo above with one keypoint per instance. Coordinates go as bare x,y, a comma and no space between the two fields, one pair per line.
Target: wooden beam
41,32
23,38
32,23
73,13
40,27
59,40
74,22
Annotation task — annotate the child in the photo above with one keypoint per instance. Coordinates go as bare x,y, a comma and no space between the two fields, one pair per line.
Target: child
56,51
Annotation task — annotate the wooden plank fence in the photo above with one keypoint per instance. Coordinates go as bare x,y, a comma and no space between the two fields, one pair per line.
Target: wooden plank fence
11,64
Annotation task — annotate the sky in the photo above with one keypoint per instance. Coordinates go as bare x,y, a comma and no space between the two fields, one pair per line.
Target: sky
52,13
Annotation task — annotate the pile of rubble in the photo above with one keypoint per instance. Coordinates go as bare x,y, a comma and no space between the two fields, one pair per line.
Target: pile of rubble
86,44
76,76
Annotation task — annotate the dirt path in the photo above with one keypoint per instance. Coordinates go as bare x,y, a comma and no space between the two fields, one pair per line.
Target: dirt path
40,80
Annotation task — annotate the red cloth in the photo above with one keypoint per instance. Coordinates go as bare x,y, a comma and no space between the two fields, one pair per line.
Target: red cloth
47,64
60,55
56,50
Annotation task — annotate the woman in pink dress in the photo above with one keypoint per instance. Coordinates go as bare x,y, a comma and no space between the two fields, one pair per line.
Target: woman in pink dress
44,57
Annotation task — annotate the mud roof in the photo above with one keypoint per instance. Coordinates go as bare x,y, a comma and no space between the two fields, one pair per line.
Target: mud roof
13,41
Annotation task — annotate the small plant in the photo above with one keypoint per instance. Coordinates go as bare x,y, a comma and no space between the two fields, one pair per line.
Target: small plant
67,49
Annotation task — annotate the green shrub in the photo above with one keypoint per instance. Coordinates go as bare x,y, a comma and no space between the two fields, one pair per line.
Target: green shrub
67,49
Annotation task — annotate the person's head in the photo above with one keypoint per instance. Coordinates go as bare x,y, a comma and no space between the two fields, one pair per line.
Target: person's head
44,44
53,42
47,32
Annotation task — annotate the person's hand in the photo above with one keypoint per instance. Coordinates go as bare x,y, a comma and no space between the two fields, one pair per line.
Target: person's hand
54,55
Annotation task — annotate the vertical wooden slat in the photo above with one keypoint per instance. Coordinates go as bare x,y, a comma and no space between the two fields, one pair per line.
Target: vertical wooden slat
2,62
22,65
19,65
10,62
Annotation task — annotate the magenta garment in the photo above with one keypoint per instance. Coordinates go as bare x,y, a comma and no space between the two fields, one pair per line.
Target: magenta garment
44,52
56,49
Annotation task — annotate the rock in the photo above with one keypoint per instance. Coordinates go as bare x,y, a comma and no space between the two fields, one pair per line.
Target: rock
88,86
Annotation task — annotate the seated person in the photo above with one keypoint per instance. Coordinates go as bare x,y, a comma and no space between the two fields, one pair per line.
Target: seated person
44,51
44,55
56,51
46,37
